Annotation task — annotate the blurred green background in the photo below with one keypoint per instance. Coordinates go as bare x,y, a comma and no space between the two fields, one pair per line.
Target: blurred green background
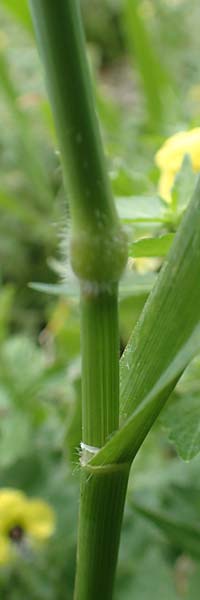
144,56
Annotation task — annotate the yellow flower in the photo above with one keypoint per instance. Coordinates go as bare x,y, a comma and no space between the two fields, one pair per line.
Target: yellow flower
22,520
170,157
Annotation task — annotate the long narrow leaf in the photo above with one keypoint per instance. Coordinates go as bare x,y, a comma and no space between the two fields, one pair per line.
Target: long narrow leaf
165,340
169,317
153,75
124,445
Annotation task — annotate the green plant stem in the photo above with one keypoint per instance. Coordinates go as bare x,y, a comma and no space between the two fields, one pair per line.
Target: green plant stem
96,235
103,492
100,363
98,256
61,44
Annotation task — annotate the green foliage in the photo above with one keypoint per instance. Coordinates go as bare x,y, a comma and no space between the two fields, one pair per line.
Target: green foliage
180,418
158,246
155,79
138,209
181,421
40,395
183,186
153,363
19,12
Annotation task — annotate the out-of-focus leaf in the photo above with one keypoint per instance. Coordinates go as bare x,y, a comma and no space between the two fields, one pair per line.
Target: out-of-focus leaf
140,209
16,207
194,583
28,152
22,366
131,284
15,438
180,533
69,290
19,12
6,301
127,183
181,419
150,247
134,284
153,74
152,578
108,111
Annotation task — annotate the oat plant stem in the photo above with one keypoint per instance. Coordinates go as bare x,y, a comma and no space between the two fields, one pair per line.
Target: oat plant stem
98,256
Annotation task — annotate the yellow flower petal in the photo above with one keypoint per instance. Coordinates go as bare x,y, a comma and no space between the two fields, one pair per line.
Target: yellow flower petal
12,507
40,520
171,154
170,157
165,185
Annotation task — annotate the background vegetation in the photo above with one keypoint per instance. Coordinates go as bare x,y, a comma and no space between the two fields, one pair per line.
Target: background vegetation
145,60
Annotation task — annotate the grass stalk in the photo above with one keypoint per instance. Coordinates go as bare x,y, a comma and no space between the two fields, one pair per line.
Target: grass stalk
98,256
103,492
100,363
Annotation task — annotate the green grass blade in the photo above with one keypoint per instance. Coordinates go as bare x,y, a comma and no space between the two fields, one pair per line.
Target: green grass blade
153,75
164,341
124,445
169,317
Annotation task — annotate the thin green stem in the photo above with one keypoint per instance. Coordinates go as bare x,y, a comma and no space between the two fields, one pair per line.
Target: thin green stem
96,229
103,492
98,256
100,364
61,44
